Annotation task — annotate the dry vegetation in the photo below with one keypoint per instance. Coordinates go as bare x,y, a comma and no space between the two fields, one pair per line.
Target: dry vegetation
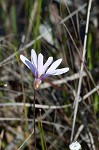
54,28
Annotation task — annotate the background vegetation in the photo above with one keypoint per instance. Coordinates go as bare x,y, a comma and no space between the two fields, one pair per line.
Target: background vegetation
54,28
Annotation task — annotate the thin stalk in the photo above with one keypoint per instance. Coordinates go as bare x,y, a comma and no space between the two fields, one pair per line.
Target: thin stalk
81,71
25,141
34,119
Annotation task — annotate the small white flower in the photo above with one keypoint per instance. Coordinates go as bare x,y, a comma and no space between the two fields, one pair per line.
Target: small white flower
75,146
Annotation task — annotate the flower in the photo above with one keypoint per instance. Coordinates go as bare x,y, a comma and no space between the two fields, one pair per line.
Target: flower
40,70
75,146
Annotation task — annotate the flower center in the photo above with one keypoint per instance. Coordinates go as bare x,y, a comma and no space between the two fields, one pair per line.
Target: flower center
37,83
39,75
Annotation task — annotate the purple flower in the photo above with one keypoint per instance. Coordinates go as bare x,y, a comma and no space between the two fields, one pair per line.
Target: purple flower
40,70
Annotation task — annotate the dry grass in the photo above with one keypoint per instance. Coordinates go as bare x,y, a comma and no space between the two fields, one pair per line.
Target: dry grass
62,35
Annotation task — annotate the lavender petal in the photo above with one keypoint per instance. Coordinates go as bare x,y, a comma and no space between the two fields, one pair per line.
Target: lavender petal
45,75
60,71
54,66
40,64
47,64
28,64
34,58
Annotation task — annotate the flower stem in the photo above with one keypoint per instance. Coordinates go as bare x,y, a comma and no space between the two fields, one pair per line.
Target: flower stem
34,119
